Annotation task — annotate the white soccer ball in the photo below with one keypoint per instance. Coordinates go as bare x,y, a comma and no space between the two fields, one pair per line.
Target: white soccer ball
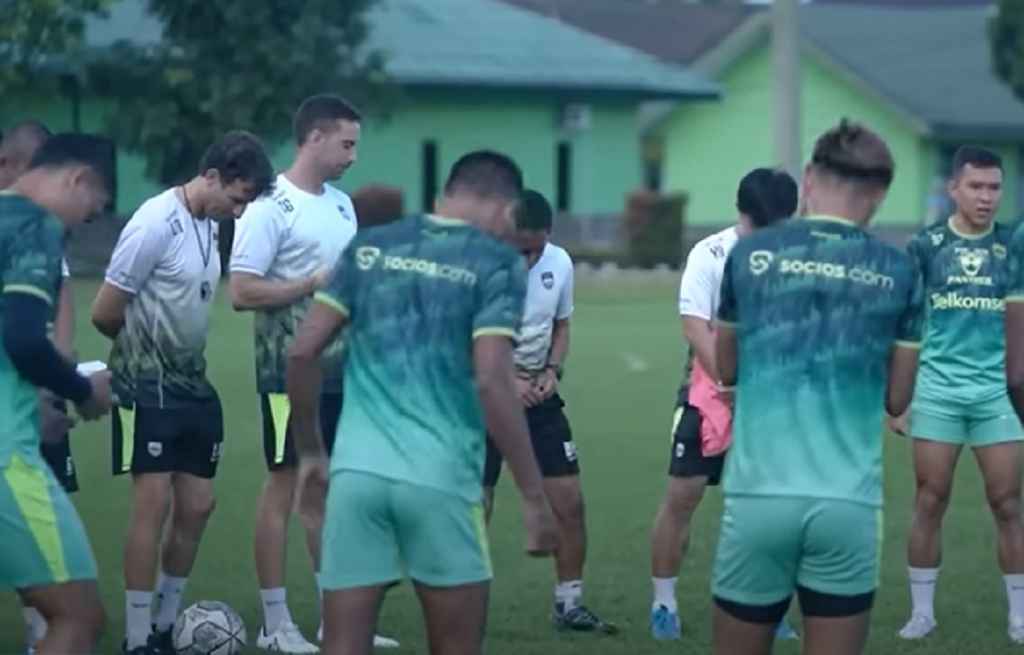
209,628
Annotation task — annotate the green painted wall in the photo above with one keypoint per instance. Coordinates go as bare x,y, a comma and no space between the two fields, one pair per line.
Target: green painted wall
709,146
605,158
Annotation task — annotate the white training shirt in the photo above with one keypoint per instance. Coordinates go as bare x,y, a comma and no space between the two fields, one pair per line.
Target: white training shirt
548,299
291,234
169,261
701,284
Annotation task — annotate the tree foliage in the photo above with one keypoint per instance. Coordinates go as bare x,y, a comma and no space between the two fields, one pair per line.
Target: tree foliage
230,64
37,36
1006,36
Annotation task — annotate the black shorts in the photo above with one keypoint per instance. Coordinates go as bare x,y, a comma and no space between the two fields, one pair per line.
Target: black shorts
552,443
687,460
812,604
183,439
58,456
278,446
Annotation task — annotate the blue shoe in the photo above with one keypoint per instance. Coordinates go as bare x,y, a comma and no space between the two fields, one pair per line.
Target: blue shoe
665,625
784,631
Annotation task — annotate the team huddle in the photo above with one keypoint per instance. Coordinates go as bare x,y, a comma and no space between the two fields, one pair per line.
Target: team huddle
399,367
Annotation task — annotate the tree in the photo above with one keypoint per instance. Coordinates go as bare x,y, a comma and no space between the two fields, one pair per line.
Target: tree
36,35
1006,37
231,64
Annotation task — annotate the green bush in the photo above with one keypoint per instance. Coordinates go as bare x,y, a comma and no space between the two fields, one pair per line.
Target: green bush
654,229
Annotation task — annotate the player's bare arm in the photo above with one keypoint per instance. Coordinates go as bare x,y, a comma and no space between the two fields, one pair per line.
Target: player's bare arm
64,323
108,309
506,423
319,328
1015,355
726,358
250,292
701,337
902,374
547,383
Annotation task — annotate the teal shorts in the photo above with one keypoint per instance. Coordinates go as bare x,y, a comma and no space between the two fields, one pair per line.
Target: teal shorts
966,424
378,530
770,545
43,541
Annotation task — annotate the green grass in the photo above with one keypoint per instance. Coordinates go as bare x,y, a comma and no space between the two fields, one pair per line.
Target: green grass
620,385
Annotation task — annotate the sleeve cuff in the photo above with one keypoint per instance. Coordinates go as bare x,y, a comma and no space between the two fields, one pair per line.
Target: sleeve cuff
1017,297
333,303
114,283
494,332
913,345
30,290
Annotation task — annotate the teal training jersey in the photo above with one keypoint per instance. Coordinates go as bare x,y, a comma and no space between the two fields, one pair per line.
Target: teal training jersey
417,292
31,248
1015,266
964,277
817,305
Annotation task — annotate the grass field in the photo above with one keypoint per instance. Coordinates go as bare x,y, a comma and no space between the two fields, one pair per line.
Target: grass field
620,385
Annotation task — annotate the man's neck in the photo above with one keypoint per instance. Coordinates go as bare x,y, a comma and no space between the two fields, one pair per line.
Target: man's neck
30,185
838,209
193,197
304,175
964,226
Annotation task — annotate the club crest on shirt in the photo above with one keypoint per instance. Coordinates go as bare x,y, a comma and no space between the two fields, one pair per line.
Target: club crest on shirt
972,261
344,214
999,250
176,227
717,250
547,278
937,238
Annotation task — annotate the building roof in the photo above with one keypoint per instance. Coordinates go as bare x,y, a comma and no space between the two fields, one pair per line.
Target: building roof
671,30
928,59
479,43
935,65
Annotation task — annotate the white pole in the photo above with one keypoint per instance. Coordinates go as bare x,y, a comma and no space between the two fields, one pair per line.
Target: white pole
786,60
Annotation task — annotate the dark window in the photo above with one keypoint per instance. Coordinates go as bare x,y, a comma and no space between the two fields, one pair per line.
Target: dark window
429,175
563,179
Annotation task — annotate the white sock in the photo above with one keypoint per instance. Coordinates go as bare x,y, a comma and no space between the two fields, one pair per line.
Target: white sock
35,625
922,590
138,616
665,593
568,594
169,593
1015,594
275,608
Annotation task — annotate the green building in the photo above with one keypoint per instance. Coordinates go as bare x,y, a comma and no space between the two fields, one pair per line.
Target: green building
473,73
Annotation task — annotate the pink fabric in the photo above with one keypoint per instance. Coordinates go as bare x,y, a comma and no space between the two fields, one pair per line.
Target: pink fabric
715,413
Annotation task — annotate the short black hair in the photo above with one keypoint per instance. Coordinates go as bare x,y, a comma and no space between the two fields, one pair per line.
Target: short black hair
76,149
767,195
854,153
240,155
977,157
486,174
533,212
316,111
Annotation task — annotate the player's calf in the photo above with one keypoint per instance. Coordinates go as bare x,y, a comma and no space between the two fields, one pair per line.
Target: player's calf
74,615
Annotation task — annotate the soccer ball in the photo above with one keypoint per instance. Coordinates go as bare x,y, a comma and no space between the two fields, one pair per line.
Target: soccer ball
209,628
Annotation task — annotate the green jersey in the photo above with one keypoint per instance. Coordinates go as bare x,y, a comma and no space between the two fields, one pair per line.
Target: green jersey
817,305
964,278
417,293
1015,266
31,248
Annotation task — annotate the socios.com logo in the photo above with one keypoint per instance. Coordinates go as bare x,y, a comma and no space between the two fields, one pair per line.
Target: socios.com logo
366,257
760,261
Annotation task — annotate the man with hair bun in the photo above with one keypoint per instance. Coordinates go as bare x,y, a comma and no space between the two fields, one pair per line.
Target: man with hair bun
810,348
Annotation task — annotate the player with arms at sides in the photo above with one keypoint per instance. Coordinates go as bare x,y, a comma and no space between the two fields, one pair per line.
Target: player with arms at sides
18,146
285,245
818,329
764,197
46,555
961,397
1014,326
168,426
405,492
540,354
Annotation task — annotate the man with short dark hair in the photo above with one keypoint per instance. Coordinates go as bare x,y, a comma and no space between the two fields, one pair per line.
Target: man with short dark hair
961,398
45,552
285,245
541,350
168,427
405,494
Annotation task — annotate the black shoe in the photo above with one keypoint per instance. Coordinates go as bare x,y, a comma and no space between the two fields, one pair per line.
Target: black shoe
161,643
580,619
138,650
